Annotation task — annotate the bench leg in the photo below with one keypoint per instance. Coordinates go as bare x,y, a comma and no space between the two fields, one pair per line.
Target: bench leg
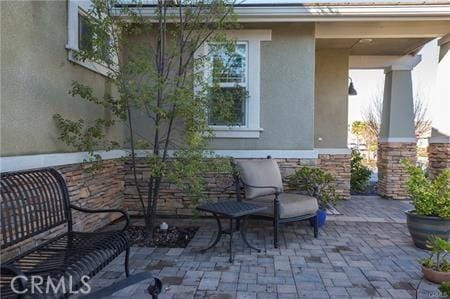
231,241
127,256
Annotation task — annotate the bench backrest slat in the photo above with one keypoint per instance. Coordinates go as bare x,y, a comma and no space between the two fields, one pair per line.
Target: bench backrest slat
31,202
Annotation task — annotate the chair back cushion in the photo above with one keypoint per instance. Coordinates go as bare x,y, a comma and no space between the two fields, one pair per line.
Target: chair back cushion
260,172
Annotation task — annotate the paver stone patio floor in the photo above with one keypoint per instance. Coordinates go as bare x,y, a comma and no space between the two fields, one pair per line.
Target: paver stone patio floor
364,253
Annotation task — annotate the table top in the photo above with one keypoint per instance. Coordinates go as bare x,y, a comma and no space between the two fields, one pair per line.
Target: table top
231,208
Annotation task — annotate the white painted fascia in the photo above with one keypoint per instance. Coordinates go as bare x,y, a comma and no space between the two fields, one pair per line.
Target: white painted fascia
315,13
293,13
15,163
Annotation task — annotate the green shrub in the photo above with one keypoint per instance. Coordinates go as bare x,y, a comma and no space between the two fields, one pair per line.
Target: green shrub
430,197
445,288
316,182
360,174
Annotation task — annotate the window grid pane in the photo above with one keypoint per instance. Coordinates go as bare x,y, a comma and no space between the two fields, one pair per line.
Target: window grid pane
229,70
85,34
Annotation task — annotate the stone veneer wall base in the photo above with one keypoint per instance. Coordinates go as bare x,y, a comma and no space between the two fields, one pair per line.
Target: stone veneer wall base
391,176
438,158
173,201
113,187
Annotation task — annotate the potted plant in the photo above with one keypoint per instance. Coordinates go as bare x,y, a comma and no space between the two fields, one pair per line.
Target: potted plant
318,183
436,268
431,200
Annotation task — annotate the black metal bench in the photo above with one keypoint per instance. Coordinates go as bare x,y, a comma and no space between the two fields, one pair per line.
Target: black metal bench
37,201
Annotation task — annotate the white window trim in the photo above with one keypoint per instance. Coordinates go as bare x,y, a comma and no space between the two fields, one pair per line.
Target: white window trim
252,128
75,8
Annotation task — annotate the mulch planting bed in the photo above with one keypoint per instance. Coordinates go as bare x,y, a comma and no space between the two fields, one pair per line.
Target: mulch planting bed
173,237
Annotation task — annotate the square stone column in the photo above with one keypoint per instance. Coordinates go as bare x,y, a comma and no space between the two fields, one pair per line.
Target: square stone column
439,143
391,175
397,138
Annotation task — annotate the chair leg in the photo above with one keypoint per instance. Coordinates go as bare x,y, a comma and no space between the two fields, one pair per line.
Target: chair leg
316,226
127,256
275,233
276,218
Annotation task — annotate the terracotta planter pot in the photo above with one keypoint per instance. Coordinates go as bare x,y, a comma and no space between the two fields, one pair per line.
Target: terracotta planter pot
435,276
422,227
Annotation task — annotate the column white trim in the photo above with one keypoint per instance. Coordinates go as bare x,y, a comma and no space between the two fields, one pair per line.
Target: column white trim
333,151
439,140
406,63
397,140
383,61
443,40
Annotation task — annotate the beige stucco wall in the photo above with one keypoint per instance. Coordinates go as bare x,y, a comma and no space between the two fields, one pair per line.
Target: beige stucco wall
287,91
331,98
397,119
36,78
286,87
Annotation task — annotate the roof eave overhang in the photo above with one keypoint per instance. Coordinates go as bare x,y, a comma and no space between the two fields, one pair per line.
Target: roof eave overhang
343,13
332,13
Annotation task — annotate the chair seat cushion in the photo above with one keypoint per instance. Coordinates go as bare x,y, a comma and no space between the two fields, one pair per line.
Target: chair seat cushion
291,205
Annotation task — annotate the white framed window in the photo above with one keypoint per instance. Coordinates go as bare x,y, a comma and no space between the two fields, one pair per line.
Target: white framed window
242,71
230,72
79,35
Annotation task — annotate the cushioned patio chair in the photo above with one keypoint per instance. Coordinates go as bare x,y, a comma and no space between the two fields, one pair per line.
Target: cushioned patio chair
262,183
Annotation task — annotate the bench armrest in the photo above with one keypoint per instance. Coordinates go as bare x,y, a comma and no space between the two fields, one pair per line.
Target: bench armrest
7,270
91,211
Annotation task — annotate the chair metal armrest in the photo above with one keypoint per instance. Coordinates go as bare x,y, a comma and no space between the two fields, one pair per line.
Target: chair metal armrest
229,186
10,269
277,189
91,211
